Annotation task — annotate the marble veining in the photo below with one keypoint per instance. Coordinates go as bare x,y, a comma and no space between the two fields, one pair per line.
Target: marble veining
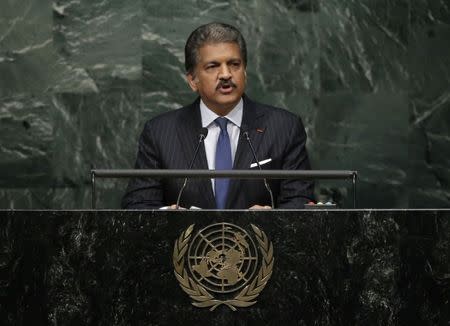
369,79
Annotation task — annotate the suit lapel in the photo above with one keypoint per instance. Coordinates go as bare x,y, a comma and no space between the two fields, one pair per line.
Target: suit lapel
251,122
189,126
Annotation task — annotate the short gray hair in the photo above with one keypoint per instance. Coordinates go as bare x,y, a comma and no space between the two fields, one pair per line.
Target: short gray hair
211,33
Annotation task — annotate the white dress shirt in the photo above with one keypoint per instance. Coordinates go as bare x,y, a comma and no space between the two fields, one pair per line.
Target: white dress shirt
233,128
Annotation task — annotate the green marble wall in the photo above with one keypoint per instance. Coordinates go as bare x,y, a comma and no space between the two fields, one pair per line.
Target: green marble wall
370,78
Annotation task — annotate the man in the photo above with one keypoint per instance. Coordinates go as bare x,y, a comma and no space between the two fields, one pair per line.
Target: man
216,61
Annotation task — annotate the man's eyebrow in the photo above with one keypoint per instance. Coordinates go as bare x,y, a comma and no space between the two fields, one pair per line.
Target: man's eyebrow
211,62
217,63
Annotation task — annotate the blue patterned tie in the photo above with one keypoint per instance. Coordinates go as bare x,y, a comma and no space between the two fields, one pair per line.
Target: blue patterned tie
223,162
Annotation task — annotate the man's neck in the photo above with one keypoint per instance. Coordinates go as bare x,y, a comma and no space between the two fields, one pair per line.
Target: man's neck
234,115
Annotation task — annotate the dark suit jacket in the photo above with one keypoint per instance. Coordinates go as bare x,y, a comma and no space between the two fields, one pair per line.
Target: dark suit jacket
169,140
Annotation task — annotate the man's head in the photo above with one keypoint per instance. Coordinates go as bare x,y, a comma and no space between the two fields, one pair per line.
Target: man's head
215,60
210,34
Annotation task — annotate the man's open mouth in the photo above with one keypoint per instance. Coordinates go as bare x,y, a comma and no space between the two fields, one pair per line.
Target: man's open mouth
226,88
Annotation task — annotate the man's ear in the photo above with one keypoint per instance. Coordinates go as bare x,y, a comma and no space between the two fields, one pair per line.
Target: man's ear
192,81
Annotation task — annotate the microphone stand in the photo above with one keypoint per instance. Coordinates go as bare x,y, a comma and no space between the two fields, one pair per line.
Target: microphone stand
266,184
202,137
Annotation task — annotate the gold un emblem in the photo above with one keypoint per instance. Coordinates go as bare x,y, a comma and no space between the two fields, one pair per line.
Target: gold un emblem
224,265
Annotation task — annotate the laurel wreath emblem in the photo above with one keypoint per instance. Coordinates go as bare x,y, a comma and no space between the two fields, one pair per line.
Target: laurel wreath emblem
202,298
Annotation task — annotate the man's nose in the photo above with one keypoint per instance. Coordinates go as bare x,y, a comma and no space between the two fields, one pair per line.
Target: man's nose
224,72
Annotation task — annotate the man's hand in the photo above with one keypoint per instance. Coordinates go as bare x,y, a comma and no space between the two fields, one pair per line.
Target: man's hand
260,207
174,206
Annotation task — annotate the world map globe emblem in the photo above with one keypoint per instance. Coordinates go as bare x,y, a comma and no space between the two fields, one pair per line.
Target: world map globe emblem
222,257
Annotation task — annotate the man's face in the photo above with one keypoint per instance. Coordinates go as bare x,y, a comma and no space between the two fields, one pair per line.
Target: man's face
219,76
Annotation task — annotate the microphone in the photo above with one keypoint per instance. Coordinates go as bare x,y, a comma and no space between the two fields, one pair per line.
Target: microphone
245,133
201,137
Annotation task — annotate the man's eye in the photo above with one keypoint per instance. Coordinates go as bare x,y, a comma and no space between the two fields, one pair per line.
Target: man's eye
235,65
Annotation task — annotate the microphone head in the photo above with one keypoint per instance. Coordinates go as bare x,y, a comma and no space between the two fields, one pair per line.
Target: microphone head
244,130
203,132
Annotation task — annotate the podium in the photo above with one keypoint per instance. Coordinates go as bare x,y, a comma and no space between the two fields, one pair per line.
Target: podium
335,267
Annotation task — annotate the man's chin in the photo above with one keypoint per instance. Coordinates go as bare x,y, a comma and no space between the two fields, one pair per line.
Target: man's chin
228,101
223,104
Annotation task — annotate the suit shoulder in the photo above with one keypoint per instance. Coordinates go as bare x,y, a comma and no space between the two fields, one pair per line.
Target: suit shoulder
277,113
167,118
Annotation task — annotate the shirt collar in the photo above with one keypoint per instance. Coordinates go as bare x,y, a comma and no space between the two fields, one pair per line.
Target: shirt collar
208,116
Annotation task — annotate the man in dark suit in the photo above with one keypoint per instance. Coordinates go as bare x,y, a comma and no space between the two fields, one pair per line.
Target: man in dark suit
216,60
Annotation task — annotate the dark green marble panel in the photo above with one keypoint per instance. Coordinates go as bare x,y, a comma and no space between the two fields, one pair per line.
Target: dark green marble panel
109,195
429,142
95,130
79,79
429,12
26,137
33,198
27,57
72,197
102,33
98,44
59,197
346,137
283,52
164,84
364,45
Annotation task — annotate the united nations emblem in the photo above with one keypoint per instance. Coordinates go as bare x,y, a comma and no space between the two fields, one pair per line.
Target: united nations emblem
224,265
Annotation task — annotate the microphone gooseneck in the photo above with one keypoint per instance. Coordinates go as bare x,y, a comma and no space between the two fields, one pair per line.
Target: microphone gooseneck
266,184
201,138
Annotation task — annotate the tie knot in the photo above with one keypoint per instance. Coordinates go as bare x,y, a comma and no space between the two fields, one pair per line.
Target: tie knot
222,123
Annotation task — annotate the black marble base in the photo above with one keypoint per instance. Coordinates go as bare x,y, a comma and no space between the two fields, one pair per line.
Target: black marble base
380,267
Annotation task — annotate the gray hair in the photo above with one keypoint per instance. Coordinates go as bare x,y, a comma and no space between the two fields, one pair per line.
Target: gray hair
211,33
